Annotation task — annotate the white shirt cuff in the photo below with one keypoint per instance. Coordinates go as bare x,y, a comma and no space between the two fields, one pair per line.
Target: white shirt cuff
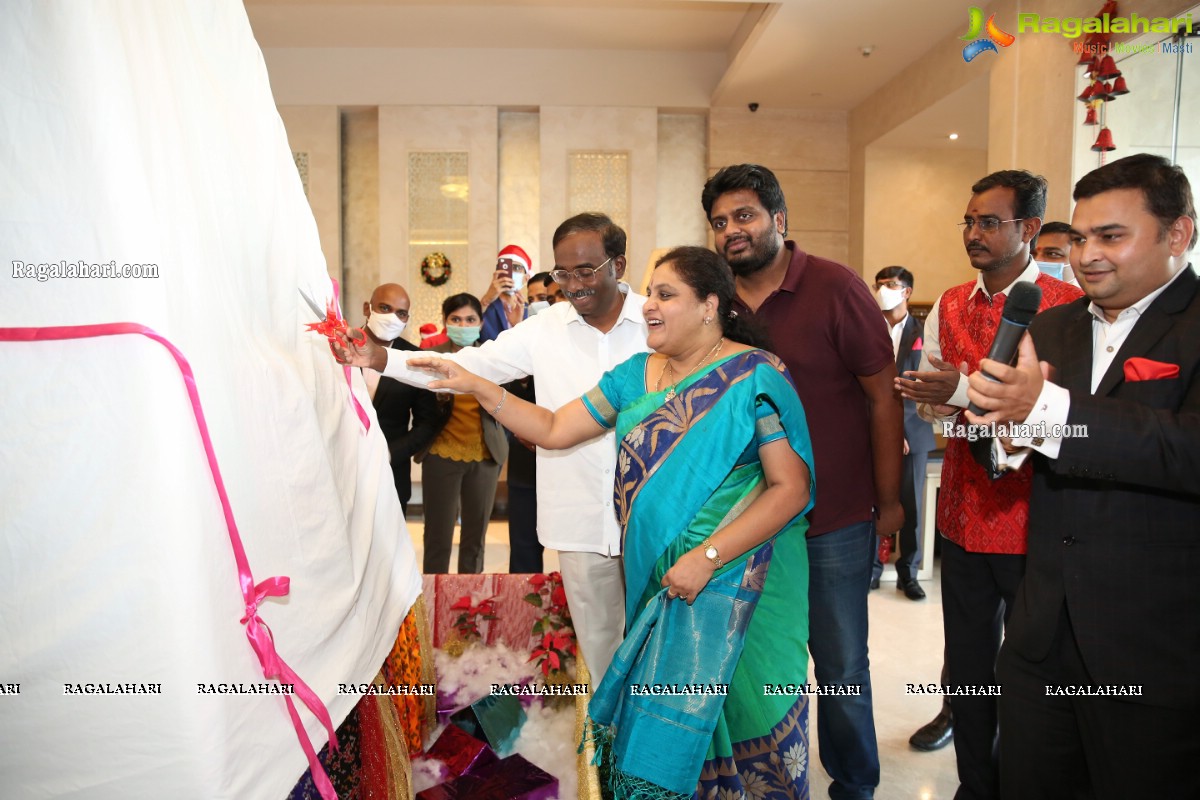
959,398
1010,461
1042,429
397,368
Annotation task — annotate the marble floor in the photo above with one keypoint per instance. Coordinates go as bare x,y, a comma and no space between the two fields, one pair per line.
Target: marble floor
906,647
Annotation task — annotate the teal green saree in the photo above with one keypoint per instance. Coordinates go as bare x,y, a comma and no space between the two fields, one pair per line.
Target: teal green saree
684,710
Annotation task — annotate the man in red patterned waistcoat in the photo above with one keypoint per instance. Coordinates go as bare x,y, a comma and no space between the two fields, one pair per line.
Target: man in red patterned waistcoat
984,521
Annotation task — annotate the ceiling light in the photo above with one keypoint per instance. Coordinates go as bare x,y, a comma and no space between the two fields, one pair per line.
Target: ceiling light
953,136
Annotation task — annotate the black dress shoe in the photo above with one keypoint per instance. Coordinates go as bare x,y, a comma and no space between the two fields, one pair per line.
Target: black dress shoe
911,588
874,583
935,735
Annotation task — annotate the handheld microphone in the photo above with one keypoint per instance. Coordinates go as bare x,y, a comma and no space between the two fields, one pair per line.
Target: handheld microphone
1019,310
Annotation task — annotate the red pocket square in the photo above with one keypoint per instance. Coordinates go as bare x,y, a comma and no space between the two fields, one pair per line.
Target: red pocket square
1143,369
918,344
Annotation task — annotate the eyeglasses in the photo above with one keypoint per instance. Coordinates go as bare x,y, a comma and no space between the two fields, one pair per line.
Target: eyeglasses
986,224
891,284
583,274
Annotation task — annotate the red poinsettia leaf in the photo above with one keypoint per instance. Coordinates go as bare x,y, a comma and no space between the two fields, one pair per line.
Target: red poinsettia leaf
556,577
552,659
463,603
537,580
545,667
558,596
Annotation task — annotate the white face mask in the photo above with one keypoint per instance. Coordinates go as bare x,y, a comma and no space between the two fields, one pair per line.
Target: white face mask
540,305
518,279
387,327
889,298
1054,270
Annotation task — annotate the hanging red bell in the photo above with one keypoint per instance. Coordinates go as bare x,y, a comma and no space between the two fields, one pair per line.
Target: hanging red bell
1090,119
1102,92
1118,88
1088,93
1093,67
1104,142
1084,60
1108,69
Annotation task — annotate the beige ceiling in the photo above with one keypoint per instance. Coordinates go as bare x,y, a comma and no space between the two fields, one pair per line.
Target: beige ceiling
792,54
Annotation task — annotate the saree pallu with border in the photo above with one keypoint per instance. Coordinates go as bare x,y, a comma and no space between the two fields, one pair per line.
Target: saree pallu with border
683,710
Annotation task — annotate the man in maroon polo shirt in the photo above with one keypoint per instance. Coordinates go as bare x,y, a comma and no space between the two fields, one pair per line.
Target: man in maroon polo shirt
826,326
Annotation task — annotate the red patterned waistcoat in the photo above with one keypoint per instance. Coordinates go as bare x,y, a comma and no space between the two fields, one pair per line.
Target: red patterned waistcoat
978,514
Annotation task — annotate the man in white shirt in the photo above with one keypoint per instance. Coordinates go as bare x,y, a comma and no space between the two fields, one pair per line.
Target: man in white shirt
1100,658
567,348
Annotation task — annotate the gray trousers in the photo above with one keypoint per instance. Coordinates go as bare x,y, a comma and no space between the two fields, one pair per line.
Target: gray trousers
449,489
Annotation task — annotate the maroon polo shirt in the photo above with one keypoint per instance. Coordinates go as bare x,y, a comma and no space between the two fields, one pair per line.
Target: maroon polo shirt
828,329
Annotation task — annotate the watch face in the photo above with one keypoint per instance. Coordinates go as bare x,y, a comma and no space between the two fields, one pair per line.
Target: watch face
711,553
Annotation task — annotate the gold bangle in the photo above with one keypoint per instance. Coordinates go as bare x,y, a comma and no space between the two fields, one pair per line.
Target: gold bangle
500,405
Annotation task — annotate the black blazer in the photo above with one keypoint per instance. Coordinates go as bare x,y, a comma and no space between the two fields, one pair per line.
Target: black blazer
918,432
408,418
1114,523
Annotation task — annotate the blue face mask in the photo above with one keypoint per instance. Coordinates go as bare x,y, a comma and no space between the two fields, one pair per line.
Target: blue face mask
463,336
1052,269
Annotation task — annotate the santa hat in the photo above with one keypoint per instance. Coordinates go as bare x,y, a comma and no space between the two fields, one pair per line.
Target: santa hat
516,254
428,329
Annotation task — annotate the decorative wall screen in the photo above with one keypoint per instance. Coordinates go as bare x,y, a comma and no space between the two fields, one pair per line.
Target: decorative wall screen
599,181
437,223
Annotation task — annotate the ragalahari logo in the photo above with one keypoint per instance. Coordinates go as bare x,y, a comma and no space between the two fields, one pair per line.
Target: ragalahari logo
975,27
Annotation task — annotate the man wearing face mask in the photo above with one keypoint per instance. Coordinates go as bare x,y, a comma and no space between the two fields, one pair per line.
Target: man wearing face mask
1052,252
508,307
893,288
407,415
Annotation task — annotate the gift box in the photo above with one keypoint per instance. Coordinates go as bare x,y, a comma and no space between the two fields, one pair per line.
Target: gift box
495,719
462,753
511,778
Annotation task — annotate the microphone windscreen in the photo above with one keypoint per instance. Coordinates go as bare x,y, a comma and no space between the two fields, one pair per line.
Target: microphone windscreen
1022,304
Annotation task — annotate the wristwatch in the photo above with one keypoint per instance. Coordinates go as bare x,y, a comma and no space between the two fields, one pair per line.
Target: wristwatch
710,552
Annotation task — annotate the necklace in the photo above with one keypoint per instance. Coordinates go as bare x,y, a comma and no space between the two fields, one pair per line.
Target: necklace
668,368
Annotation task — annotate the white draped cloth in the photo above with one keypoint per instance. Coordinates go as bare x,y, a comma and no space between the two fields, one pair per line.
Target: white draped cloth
144,133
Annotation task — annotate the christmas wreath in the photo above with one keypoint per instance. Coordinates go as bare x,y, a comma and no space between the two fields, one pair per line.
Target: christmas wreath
435,269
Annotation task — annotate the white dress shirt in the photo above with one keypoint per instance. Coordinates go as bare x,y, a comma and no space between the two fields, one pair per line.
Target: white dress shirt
933,345
1054,403
566,357
897,332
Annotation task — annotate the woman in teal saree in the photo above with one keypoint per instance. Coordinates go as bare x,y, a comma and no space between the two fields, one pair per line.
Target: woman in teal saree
712,484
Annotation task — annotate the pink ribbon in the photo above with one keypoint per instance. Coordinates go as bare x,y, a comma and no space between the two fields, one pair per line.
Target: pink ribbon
358,409
257,631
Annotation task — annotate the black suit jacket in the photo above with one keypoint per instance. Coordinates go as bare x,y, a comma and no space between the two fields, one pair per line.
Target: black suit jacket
1114,530
408,417
908,357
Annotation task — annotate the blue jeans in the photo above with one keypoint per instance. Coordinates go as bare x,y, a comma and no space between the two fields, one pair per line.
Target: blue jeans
839,565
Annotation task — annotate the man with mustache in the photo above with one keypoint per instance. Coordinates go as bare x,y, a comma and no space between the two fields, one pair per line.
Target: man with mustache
983,521
827,328
566,349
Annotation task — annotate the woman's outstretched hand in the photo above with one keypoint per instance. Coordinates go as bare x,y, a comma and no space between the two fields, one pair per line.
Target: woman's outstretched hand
451,376
364,353
688,576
